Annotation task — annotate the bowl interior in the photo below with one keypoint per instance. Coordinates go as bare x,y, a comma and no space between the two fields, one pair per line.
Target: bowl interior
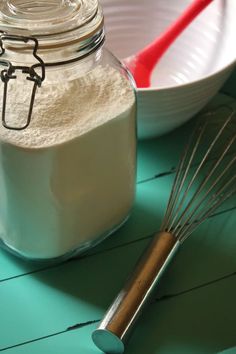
205,47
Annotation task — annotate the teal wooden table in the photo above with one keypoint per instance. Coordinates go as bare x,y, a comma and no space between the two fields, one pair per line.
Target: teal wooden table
54,309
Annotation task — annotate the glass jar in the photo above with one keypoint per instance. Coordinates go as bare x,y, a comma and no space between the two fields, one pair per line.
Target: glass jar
68,132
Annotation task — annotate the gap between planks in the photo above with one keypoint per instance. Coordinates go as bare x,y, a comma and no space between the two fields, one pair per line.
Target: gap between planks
167,297
92,254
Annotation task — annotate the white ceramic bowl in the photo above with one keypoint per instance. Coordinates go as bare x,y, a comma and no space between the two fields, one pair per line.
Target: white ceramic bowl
191,71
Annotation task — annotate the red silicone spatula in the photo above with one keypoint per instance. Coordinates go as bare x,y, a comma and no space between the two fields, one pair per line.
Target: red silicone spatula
142,64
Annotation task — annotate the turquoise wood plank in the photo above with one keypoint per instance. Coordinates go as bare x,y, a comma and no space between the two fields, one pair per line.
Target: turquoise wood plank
202,321
160,156
11,266
51,301
72,342
79,291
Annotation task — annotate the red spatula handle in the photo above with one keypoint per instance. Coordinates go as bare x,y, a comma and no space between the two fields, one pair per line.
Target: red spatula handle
154,51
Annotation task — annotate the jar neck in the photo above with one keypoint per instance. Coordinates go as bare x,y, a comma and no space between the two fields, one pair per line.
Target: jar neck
63,71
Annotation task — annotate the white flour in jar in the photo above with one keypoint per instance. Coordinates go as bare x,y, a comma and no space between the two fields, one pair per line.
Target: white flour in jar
55,120
69,177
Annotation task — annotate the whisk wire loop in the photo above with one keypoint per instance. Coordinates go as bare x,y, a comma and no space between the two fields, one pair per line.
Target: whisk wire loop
198,213
197,196
188,207
208,212
181,174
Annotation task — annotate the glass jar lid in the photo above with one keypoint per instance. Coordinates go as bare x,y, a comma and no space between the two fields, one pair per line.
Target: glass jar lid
46,17
54,23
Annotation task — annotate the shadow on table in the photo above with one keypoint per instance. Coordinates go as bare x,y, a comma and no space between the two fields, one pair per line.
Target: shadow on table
201,320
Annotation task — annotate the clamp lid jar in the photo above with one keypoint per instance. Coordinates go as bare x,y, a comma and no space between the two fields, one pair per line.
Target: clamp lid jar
68,138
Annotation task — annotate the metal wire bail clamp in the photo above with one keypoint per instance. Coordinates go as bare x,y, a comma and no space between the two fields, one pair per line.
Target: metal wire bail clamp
9,71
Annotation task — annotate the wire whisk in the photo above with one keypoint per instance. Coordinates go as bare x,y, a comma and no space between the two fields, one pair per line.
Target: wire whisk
205,179
199,189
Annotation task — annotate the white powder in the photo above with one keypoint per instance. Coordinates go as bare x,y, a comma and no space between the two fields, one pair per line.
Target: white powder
65,111
69,177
